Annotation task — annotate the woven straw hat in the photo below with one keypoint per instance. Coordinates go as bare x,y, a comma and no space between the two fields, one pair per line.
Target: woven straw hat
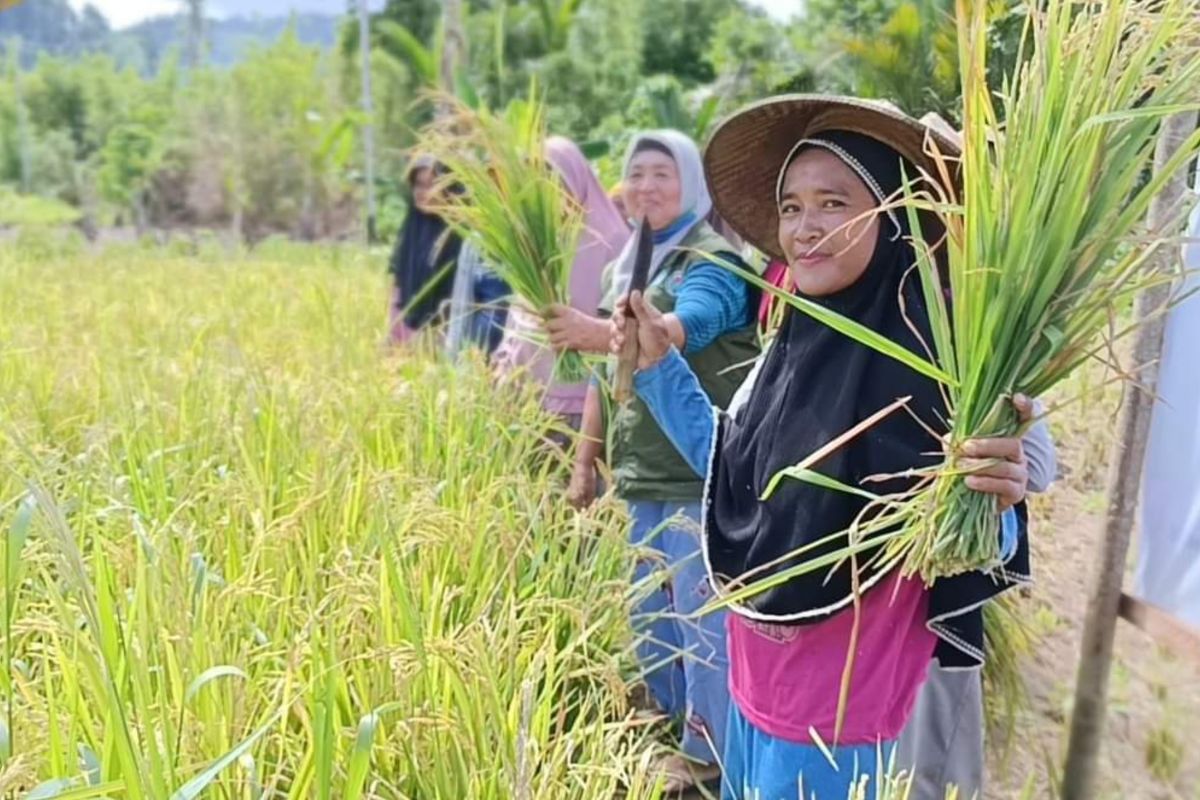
745,152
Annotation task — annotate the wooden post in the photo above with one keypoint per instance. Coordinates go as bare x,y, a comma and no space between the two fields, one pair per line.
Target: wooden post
368,107
1124,482
454,46
13,51
195,9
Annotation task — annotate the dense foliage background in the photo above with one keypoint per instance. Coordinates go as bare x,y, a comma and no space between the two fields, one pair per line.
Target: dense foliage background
252,124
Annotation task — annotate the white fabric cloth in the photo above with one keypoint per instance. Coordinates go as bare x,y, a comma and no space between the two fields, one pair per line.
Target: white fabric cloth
462,297
1168,567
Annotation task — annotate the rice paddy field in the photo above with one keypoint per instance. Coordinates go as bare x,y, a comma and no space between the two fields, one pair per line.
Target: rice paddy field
237,529
247,553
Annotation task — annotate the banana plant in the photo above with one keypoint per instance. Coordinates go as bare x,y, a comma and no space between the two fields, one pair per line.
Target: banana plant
422,60
557,19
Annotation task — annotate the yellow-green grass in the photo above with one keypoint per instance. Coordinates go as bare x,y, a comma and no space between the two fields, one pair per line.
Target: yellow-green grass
242,542
31,210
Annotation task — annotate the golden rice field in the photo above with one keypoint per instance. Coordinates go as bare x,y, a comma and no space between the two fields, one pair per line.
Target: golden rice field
248,554
246,550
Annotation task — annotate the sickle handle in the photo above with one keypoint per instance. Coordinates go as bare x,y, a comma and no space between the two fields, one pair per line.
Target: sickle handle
627,362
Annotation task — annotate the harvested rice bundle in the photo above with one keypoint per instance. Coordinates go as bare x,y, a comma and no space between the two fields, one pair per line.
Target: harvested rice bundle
504,197
1046,242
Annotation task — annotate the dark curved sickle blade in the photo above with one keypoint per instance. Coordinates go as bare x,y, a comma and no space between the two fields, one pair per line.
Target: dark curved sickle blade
641,261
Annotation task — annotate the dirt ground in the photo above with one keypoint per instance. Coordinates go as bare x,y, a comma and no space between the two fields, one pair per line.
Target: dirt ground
1150,751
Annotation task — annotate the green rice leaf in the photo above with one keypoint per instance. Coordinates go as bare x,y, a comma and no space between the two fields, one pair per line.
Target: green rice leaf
844,325
50,789
816,479
65,789
193,789
360,761
211,674
824,748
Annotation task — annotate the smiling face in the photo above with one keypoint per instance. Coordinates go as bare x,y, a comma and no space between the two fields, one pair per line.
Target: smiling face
652,188
823,232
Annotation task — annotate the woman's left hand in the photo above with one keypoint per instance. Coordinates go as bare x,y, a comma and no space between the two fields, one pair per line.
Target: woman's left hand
571,329
998,466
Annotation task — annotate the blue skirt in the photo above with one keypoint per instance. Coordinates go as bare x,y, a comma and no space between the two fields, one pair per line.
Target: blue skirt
759,766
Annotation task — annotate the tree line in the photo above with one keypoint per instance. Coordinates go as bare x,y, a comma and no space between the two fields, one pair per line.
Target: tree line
269,144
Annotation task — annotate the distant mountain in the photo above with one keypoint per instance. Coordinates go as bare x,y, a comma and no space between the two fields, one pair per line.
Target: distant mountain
226,40
277,8
53,27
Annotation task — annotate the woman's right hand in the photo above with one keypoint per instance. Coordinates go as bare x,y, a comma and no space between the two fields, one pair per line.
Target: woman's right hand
571,329
654,336
581,491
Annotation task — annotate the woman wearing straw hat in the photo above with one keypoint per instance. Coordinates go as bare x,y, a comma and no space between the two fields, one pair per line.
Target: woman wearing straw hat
809,179
706,310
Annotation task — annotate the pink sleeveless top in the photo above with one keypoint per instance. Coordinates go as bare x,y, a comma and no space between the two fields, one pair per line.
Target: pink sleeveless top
786,678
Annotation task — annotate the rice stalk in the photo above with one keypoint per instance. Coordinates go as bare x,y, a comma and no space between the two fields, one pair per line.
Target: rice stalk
501,194
1008,640
1046,242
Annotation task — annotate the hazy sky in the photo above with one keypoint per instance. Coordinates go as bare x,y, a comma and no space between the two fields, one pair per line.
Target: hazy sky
781,9
122,13
126,12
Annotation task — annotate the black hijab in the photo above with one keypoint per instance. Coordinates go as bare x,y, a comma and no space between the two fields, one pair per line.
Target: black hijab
423,249
814,385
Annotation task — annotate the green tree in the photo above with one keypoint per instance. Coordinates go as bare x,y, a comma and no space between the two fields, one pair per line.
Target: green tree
903,51
752,56
678,37
56,99
280,136
15,138
911,59
71,105
862,16
593,77
420,17
130,157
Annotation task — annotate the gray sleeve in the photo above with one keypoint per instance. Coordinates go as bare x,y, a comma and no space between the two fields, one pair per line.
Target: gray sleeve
461,298
1040,454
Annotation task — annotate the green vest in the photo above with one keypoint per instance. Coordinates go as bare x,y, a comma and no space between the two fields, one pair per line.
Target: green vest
646,465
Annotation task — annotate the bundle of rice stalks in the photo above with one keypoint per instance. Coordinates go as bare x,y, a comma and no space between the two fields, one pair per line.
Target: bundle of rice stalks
1047,242
502,195
1009,639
